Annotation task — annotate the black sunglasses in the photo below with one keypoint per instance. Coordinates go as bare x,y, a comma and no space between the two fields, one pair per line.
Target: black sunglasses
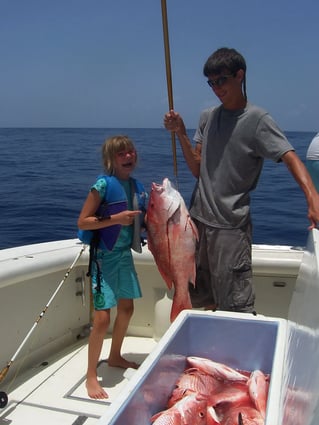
219,81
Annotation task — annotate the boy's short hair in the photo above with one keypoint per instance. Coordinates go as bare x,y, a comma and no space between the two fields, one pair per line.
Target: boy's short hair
224,60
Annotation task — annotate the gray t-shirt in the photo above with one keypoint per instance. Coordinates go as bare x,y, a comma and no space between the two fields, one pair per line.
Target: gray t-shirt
199,134
234,146
313,149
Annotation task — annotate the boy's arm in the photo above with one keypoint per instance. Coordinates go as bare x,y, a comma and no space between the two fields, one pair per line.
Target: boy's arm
302,177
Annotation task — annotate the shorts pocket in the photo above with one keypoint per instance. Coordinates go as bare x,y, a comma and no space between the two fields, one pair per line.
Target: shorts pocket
243,296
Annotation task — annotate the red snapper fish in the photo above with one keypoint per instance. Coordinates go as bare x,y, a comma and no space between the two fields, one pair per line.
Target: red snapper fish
194,381
231,392
219,370
171,237
191,409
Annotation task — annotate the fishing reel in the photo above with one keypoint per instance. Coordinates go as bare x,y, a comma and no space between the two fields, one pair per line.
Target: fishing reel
3,395
3,399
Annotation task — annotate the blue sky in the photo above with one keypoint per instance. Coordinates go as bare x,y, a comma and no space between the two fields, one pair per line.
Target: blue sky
101,63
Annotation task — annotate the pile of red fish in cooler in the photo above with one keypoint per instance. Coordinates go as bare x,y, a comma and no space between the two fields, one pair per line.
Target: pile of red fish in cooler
211,393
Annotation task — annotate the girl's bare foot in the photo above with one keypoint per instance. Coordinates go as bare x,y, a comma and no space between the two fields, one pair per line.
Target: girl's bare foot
121,362
95,390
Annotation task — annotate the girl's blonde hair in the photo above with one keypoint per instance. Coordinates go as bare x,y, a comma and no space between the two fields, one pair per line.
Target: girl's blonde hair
111,147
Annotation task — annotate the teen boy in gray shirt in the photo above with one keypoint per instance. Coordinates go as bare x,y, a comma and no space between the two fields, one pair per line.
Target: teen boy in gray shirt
232,142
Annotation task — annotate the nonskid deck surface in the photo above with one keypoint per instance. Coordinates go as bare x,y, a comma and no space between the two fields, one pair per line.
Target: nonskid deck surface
56,393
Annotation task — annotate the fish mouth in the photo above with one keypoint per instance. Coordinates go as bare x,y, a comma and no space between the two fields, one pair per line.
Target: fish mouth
160,187
240,419
156,187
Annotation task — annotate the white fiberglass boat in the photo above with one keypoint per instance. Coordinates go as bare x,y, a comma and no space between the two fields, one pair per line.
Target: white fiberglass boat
45,309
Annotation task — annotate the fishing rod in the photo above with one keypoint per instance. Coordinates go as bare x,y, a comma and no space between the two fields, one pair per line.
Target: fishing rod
169,76
5,370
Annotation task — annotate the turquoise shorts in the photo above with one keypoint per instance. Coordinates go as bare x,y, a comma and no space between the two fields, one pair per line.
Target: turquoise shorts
118,279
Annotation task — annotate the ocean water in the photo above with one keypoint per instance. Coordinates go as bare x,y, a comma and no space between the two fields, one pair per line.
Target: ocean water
45,175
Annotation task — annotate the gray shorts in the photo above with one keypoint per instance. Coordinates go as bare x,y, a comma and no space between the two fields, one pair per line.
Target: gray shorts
223,269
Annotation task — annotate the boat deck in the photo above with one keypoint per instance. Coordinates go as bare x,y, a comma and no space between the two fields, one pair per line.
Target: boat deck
55,393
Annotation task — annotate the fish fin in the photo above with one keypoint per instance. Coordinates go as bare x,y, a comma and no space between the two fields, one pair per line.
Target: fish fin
166,277
173,208
179,306
163,272
193,227
157,415
191,283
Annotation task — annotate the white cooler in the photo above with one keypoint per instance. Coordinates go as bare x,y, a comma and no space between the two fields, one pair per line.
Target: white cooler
288,350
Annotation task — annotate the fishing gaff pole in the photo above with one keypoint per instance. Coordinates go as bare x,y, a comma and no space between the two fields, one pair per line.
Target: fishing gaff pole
5,370
169,77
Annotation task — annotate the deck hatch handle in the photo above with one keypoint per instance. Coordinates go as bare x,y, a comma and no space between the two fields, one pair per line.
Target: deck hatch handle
279,284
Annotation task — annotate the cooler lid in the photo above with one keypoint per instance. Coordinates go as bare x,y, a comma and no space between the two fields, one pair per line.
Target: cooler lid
301,371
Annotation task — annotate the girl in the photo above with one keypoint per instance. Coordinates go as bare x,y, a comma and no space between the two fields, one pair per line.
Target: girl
114,279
